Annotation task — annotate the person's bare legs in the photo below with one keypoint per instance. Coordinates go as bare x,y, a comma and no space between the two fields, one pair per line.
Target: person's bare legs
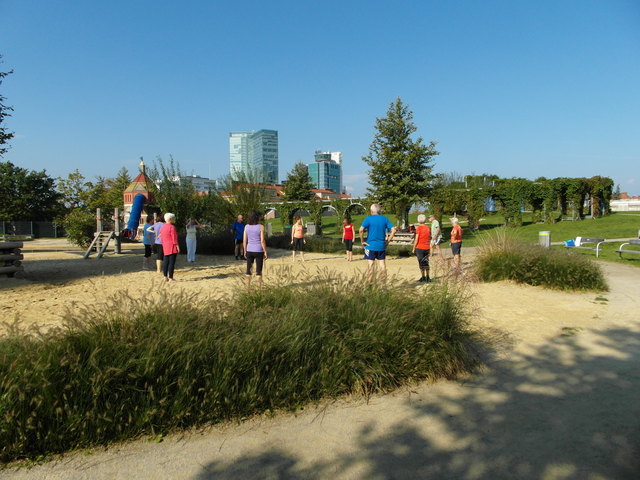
371,270
159,266
383,269
302,256
293,256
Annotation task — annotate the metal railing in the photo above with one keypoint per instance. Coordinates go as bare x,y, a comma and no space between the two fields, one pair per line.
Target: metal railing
32,228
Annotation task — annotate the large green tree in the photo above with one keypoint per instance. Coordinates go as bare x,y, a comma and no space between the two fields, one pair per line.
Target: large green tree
26,194
5,135
401,166
298,186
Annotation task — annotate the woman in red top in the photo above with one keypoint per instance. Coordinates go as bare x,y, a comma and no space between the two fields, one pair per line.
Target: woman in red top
422,247
347,237
170,248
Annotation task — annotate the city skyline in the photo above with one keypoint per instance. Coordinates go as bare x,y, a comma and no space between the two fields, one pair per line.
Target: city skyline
516,89
254,153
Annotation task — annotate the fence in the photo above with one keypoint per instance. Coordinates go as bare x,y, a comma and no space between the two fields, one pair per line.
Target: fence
35,229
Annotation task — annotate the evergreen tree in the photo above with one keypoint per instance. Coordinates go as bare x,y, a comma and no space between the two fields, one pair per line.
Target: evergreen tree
298,186
400,166
5,135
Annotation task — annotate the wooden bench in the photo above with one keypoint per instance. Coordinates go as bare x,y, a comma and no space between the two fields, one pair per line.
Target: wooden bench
403,238
632,241
583,240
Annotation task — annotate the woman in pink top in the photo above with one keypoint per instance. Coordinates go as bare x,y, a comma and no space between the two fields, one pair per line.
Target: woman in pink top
170,248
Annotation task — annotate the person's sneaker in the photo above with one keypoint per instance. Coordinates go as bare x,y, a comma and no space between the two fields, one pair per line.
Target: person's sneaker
237,257
421,279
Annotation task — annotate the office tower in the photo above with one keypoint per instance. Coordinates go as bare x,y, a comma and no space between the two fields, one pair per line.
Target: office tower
255,154
326,171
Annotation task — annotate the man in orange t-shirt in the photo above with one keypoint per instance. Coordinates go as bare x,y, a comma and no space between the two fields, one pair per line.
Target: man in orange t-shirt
456,242
422,246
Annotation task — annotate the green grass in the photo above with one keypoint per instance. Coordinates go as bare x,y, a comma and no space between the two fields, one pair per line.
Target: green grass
502,255
138,368
608,253
616,225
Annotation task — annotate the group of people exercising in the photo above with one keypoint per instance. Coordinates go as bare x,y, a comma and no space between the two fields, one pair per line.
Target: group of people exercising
250,243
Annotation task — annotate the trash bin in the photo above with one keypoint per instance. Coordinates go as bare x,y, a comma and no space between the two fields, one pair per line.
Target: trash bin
544,239
311,228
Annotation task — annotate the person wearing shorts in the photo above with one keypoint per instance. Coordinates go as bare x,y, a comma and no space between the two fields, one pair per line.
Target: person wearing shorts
148,239
157,244
347,237
238,234
421,247
436,236
456,242
297,239
377,227
254,245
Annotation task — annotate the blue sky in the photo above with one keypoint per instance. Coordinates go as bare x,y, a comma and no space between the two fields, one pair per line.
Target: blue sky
544,88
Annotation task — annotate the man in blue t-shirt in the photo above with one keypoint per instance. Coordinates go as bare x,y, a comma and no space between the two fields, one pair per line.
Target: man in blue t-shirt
238,231
375,247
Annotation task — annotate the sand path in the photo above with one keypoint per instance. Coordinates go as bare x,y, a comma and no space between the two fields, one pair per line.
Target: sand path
558,398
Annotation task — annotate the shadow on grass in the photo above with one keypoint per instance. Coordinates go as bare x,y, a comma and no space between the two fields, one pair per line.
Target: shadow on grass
559,412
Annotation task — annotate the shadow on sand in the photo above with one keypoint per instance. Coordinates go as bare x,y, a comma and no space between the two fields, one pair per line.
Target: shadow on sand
559,412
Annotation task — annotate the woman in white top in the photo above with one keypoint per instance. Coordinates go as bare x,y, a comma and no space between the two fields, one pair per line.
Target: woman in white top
192,227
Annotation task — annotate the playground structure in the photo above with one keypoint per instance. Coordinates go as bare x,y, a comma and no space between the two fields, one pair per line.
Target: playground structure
136,195
11,259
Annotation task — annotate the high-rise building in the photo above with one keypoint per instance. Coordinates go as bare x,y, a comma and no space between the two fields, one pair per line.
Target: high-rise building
326,171
255,154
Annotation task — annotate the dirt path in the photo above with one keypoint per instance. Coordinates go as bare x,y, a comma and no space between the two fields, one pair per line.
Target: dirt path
559,399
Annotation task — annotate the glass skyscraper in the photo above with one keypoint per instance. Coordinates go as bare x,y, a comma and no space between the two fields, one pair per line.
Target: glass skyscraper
326,172
255,154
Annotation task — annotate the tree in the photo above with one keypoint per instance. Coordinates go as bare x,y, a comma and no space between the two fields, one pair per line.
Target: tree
616,195
400,166
74,190
115,187
5,135
26,195
298,186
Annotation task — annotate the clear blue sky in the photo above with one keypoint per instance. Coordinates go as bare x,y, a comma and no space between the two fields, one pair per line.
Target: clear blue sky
517,88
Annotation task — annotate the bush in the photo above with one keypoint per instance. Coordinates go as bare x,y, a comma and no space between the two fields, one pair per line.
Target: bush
315,243
503,256
80,227
210,242
134,367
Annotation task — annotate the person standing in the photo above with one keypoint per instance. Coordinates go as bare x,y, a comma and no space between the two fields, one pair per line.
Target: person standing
456,243
436,237
297,239
377,227
169,237
192,239
238,234
148,239
254,246
348,235
157,243
422,247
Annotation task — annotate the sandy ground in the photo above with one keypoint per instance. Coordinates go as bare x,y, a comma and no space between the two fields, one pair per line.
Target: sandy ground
558,398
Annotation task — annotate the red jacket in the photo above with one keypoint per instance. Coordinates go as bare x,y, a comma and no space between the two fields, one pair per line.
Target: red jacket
169,237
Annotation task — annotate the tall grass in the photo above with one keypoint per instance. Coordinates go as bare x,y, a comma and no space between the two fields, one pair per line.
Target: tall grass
504,256
133,367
